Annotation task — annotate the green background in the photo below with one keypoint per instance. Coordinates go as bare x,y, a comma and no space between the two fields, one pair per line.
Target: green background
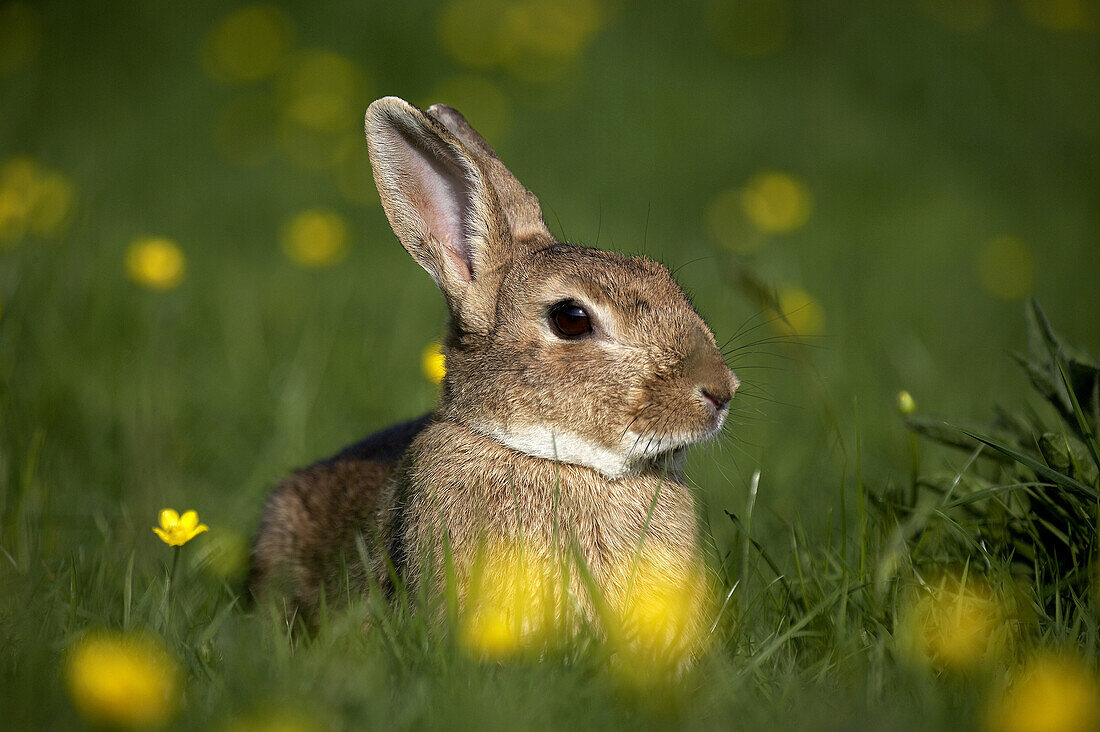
921,131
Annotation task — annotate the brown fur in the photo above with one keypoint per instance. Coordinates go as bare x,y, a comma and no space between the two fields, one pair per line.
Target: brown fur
622,403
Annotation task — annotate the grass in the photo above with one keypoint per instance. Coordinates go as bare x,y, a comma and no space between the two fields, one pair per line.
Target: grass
917,143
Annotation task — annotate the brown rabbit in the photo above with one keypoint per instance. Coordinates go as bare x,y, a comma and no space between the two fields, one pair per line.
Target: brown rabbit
575,379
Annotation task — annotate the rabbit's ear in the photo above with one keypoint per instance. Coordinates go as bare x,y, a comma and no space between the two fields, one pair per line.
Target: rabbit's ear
519,204
441,206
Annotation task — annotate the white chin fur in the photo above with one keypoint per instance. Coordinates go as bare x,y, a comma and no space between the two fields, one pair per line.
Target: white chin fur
544,442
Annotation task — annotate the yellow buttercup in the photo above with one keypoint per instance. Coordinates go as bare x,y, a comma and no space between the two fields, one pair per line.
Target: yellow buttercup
176,530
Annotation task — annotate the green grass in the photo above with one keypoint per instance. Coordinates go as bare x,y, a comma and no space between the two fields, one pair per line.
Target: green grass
917,143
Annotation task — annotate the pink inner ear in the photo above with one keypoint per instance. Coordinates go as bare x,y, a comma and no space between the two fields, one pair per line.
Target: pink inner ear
440,193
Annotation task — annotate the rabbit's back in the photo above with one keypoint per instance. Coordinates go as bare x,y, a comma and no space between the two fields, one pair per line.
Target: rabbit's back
307,534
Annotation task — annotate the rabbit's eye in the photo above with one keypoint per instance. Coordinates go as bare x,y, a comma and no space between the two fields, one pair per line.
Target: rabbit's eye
569,320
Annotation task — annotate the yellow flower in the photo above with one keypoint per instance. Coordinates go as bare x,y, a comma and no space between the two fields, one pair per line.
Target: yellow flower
776,203
33,199
321,91
125,681
660,611
1051,693
315,238
728,225
247,45
535,40
433,363
906,405
51,203
956,625
223,553
176,530
156,263
801,314
510,604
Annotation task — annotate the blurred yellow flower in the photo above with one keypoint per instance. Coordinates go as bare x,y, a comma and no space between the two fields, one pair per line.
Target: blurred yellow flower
1051,693
176,530
155,262
50,204
749,27
32,199
315,150
13,217
223,554
1006,270
660,604
433,363
728,225
534,40
800,313
248,44
906,405
1062,15
322,91
776,202
20,35
316,237
124,681
957,624
510,601
475,32
555,27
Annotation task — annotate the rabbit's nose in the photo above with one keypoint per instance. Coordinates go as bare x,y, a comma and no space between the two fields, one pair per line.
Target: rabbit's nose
719,391
718,403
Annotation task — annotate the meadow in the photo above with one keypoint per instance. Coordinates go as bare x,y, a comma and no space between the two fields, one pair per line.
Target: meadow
879,204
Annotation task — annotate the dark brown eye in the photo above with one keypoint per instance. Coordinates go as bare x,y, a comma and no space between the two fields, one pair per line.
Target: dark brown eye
569,320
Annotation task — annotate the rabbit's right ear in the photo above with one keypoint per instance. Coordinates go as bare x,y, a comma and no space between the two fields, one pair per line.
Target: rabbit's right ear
520,206
442,207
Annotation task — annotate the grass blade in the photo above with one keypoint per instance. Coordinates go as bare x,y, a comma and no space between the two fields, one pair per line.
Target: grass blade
1027,461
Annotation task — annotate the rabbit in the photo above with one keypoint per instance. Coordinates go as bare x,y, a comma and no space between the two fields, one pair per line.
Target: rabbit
575,380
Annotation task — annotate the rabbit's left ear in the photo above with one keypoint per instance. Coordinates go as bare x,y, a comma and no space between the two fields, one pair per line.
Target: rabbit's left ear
520,206
442,207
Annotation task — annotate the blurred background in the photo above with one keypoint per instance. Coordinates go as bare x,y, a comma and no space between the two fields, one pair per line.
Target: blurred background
199,290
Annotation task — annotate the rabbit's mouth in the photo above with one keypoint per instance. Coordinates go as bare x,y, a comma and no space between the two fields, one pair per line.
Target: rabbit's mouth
643,447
